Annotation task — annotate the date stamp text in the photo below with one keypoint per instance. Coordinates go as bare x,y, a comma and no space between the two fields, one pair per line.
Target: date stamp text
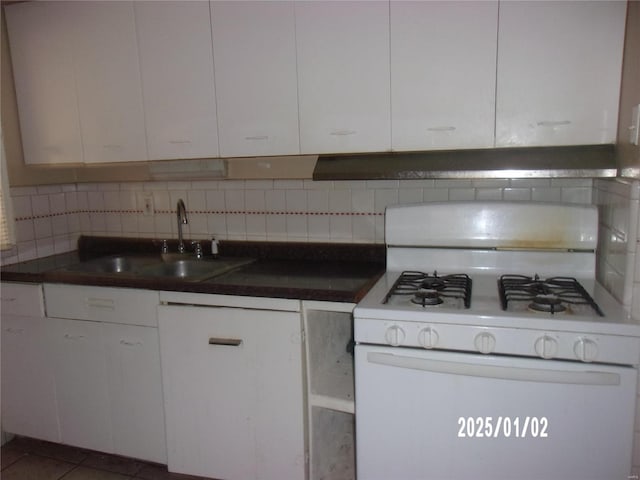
503,427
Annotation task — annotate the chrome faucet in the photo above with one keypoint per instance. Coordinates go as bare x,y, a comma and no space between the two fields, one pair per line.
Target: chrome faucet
182,220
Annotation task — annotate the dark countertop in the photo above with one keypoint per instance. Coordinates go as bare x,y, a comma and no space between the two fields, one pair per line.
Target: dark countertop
304,271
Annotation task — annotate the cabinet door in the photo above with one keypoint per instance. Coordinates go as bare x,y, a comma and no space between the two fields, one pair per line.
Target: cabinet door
256,83
135,391
232,381
176,63
79,366
29,404
559,67
343,76
41,54
105,53
443,69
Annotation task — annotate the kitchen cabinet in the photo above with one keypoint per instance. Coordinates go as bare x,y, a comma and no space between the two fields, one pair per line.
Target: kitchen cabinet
28,387
176,65
330,389
233,387
78,81
343,76
106,361
105,53
256,83
558,76
443,70
41,49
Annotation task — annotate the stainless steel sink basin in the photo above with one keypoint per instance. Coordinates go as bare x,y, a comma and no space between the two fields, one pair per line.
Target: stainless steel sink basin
113,264
193,269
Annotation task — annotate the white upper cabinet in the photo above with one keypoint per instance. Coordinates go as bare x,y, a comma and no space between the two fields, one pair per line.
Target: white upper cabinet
343,76
40,41
256,84
443,70
176,64
105,55
559,67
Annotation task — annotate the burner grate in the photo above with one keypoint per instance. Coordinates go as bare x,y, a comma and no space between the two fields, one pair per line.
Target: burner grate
551,295
431,289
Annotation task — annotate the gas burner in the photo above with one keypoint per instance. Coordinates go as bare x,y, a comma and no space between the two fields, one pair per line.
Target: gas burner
430,289
551,295
427,298
547,304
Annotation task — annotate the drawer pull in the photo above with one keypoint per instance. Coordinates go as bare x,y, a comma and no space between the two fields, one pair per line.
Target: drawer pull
342,133
553,123
15,331
441,129
229,342
130,344
73,337
9,300
257,137
101,303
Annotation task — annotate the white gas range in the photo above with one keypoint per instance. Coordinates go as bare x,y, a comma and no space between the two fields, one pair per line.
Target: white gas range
488,350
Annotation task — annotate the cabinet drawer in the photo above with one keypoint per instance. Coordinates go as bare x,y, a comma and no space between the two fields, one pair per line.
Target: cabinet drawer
22,299
115,305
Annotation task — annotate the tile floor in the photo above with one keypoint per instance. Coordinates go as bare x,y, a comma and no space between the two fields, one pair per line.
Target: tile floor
27,459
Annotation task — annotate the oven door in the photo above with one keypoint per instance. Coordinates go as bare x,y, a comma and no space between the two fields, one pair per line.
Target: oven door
444,415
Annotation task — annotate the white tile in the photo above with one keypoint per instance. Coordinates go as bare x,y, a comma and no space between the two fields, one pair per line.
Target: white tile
254,201
530,182
162,224
217,224
362,201
231,185
27,251
340,227
376,184
452,183
198,224
57,203
215,200
379,234
133,186
258,184
275,201
161,201
44,247
96,201
40,205
422,183
87,187
384,198
546,194
42,228
410,195
364,228
349,184
69,187
22,207
318,184
99,224
112,200
488,194
196,201
256,225
113,222
491,183
436,195
154,186
25,231
288,184
234,202
85,222
71,201
183,186
74,223
319,227
318,201
572,182
296,201
129,223
48,189
23,191
340,201
236,225
129,200
516,194
297,226
276,226
174,196
59,225
109,187
576,195
462,194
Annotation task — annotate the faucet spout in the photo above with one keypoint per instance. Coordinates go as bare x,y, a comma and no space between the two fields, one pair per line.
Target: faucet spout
182,220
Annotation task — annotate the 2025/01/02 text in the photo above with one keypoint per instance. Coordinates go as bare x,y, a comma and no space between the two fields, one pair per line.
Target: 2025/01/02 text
506,427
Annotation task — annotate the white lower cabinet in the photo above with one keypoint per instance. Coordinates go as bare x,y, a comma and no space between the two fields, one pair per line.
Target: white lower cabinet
28,388
233,387
105,357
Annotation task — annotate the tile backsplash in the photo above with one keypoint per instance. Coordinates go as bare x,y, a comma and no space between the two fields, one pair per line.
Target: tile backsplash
50,218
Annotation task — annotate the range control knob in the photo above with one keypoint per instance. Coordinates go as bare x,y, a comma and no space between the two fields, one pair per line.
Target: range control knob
428,337
485,342
546,346
394,335
585,349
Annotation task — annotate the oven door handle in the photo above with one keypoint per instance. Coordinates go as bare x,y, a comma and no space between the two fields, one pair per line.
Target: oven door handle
540,375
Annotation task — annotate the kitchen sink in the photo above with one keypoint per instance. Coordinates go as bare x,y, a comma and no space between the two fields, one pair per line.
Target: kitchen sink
180,266
193,269
113,264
